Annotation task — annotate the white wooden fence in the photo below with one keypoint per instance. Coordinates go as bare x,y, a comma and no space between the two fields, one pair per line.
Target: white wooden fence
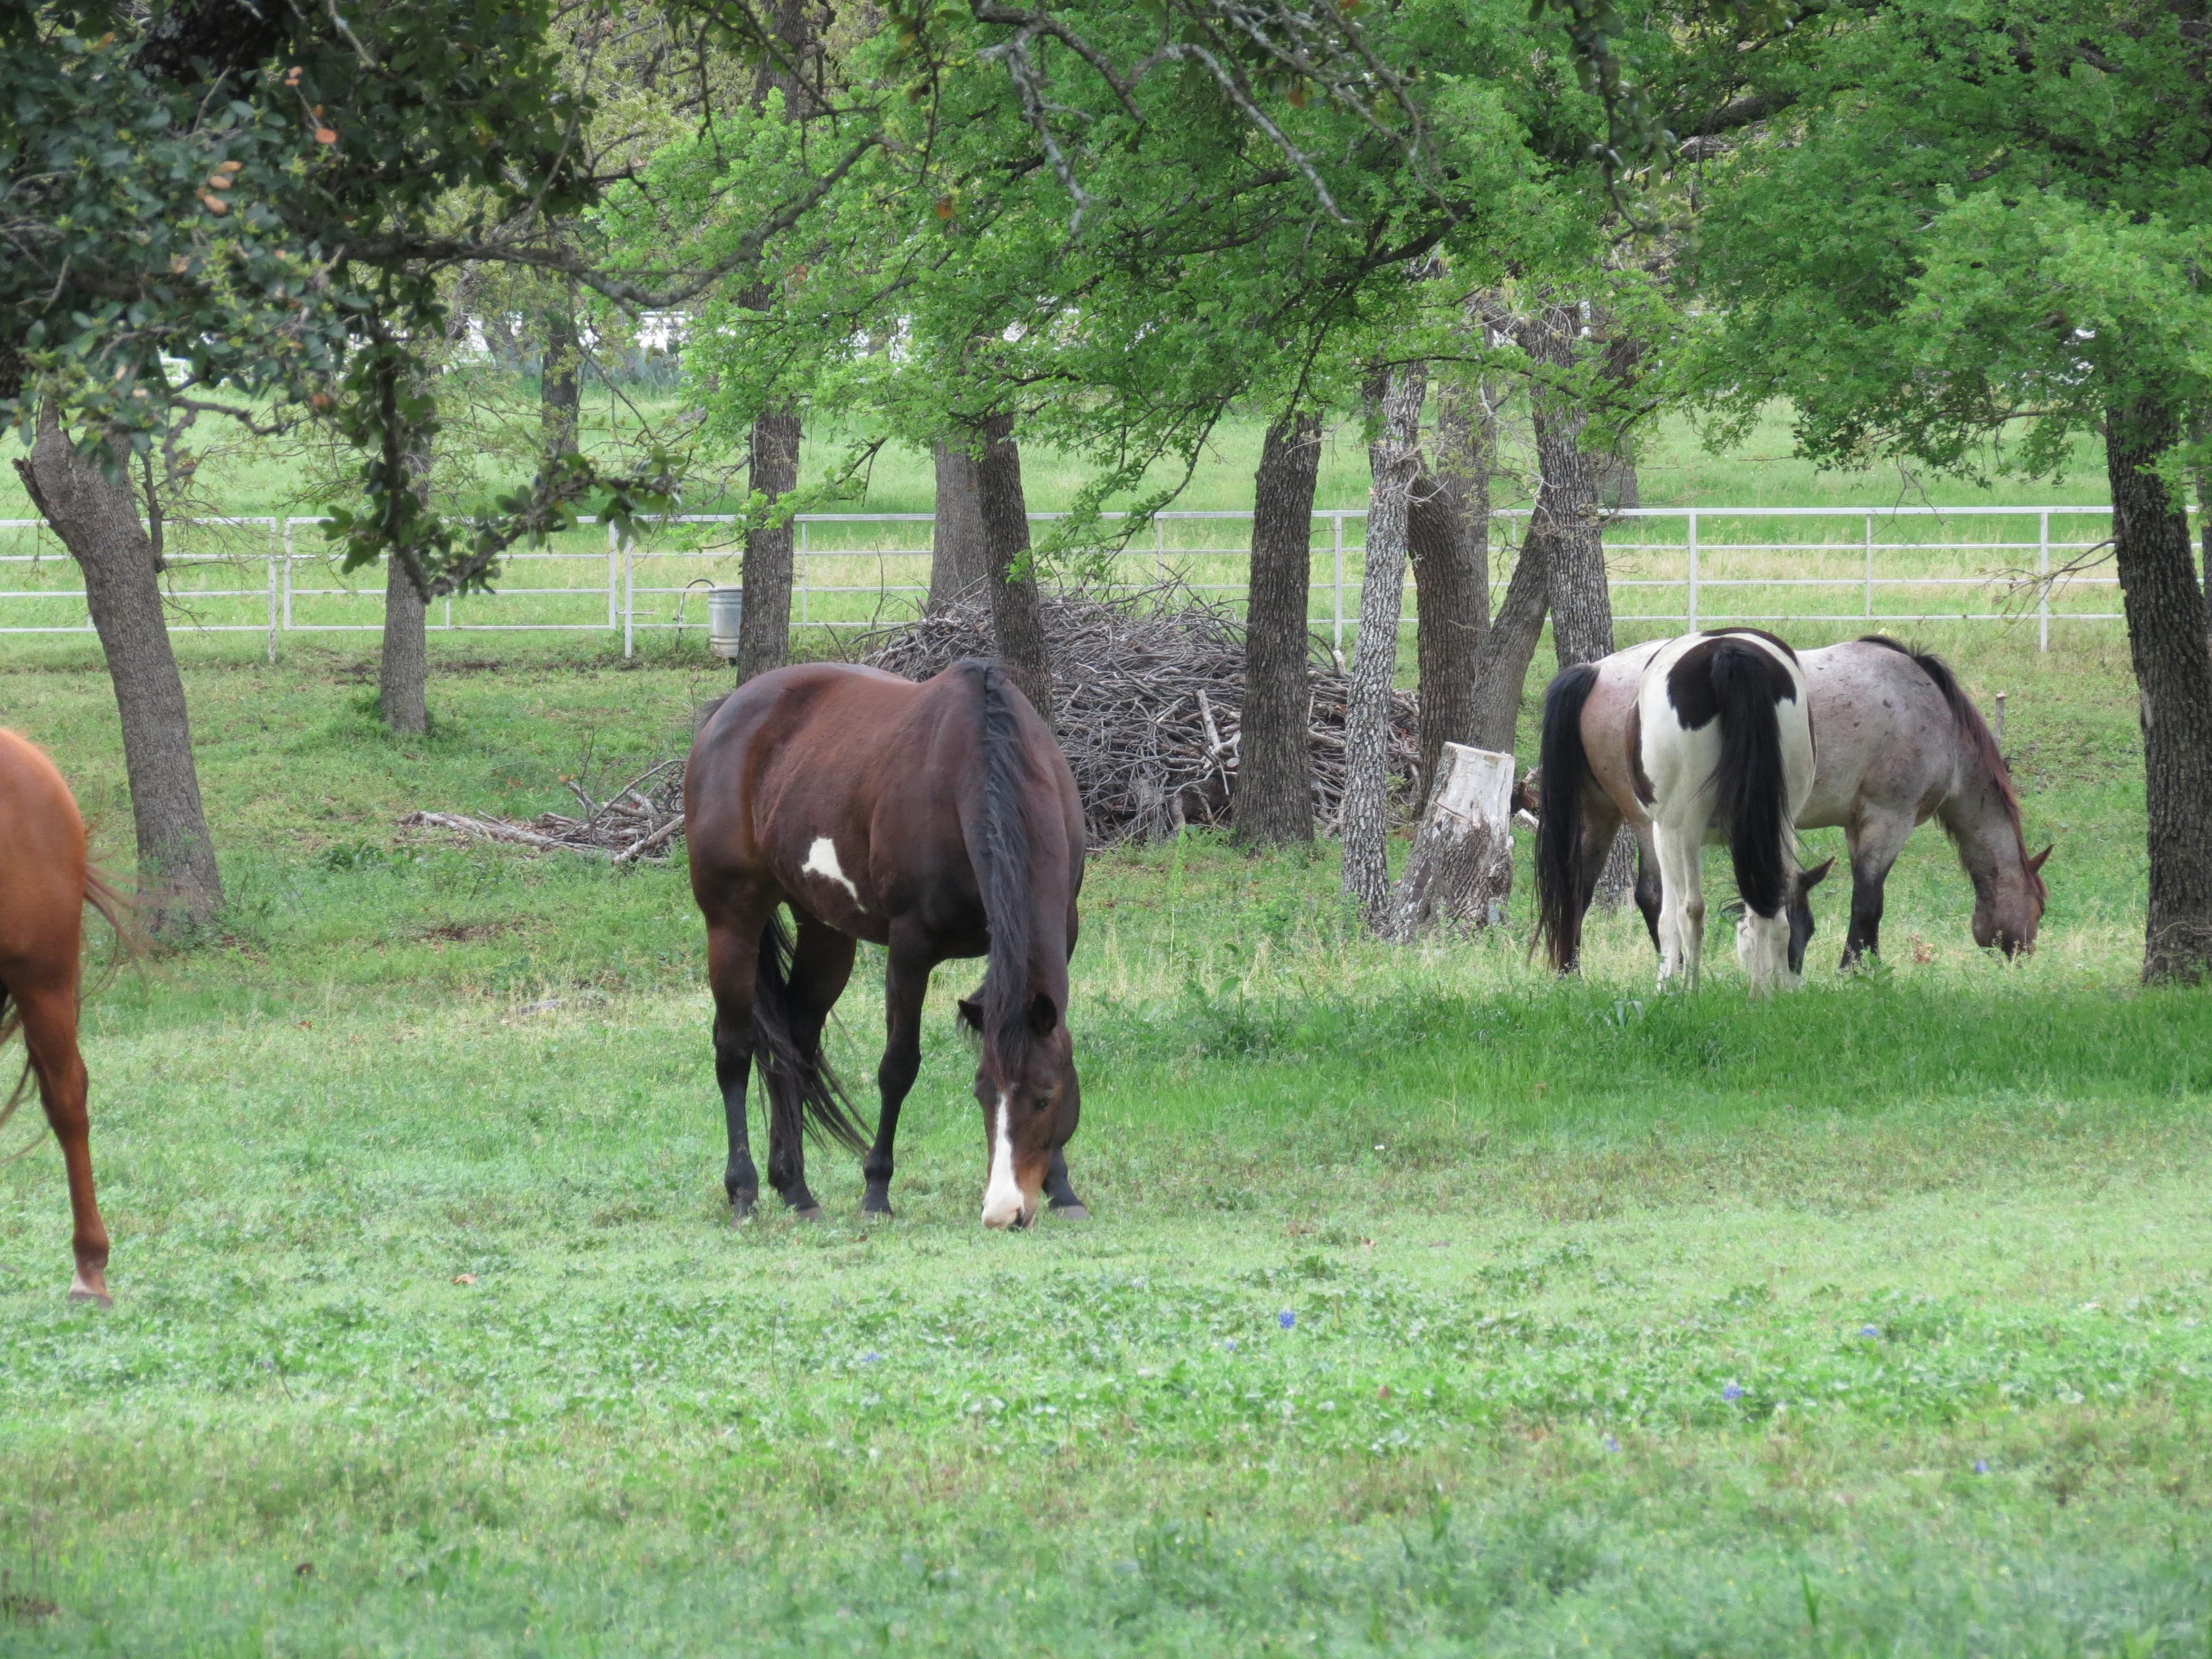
1668,567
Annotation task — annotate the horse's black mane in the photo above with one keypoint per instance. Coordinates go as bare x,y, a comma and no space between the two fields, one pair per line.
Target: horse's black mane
1002,865
1979,737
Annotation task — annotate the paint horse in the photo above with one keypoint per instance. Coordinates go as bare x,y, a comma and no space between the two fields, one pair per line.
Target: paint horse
1718,747
46,882
1899,743
939,820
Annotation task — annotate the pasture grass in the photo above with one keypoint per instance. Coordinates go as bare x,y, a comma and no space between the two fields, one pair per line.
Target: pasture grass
1430,1306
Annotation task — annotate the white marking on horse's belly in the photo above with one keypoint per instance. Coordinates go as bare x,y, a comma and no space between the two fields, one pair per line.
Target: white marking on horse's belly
822,861
1002,1197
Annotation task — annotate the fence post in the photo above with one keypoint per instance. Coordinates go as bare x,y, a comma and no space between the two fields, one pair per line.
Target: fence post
614,540
1869,564
1693,568
629,596
805,573
287,571
272,593
2043,583
1336,638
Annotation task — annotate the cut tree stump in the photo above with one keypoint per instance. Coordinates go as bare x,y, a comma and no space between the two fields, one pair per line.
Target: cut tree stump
1461,871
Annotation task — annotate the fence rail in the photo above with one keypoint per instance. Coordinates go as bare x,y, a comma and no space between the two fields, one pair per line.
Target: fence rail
1666,566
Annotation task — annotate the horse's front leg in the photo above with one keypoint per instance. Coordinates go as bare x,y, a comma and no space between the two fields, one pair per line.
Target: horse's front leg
1874,845
905,986
1060,1192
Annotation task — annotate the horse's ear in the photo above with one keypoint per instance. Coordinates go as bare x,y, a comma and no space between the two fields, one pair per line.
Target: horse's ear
971,1014
2036,863
1808,879
1043,1017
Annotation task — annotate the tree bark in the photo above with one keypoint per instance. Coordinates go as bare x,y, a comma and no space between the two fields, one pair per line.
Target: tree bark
1395,461
1566,498
402,666
1448,539
1016,612
97,519
559,401
764,632
957,562
2165,614
403,669
1275,801
1501,665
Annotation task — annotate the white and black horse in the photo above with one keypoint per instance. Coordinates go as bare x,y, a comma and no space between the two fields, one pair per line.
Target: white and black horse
1719,747
1900,743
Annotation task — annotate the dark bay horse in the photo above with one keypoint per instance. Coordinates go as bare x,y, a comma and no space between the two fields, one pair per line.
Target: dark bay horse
1897,742
1718,747
46,882
939,820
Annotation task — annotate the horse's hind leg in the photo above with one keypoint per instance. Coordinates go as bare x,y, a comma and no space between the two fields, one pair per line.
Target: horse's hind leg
821,962
732,970
1647,883
1876,842
50,1032
1681,905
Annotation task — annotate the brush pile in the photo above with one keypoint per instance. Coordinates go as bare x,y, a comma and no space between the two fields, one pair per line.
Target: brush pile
640,820
1147,689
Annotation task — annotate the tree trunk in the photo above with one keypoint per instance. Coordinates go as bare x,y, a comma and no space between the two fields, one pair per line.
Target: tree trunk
1460,873
1017,614
1395,461
1274,800
403,670
402,667
1566,498
559,403
764,631
956,559
1448,539
2174,674
97,519
1501,668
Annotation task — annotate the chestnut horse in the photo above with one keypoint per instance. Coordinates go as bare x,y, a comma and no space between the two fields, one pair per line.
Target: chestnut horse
937,820
46,882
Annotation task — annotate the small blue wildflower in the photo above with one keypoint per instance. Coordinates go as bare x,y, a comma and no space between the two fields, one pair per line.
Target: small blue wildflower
1286,1319
1733,1391
1981,1466
1231,1345
1869,1330
870,1357
1611,1445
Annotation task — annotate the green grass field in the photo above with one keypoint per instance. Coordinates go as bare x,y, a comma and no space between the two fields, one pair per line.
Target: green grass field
1430,1306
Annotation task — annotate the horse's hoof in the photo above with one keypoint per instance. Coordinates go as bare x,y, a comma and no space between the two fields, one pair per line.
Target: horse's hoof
875,1204
1076,1211
94,1298
741,1212
810,1212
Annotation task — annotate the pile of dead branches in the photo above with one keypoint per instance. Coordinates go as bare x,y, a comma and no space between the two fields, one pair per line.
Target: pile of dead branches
1148,690
640,820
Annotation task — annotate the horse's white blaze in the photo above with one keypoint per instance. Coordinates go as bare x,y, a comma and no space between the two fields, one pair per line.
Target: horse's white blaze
1002,1197
822,861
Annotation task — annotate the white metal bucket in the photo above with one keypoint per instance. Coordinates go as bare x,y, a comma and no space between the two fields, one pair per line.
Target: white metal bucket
726,610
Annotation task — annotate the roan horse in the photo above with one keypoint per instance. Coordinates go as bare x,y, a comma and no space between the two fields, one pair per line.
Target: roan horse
1900,742
939,820
1718,747
46,882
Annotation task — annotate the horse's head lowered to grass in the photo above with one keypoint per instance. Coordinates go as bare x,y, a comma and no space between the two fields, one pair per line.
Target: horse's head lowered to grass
1026,1082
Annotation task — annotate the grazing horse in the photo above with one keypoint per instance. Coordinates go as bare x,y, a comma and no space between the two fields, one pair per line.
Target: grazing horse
937,820
46,882
1719,747
1900,742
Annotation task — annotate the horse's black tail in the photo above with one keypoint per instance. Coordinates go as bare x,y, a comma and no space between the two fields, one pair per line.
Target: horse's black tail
1749,788
1561,900
803,1093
